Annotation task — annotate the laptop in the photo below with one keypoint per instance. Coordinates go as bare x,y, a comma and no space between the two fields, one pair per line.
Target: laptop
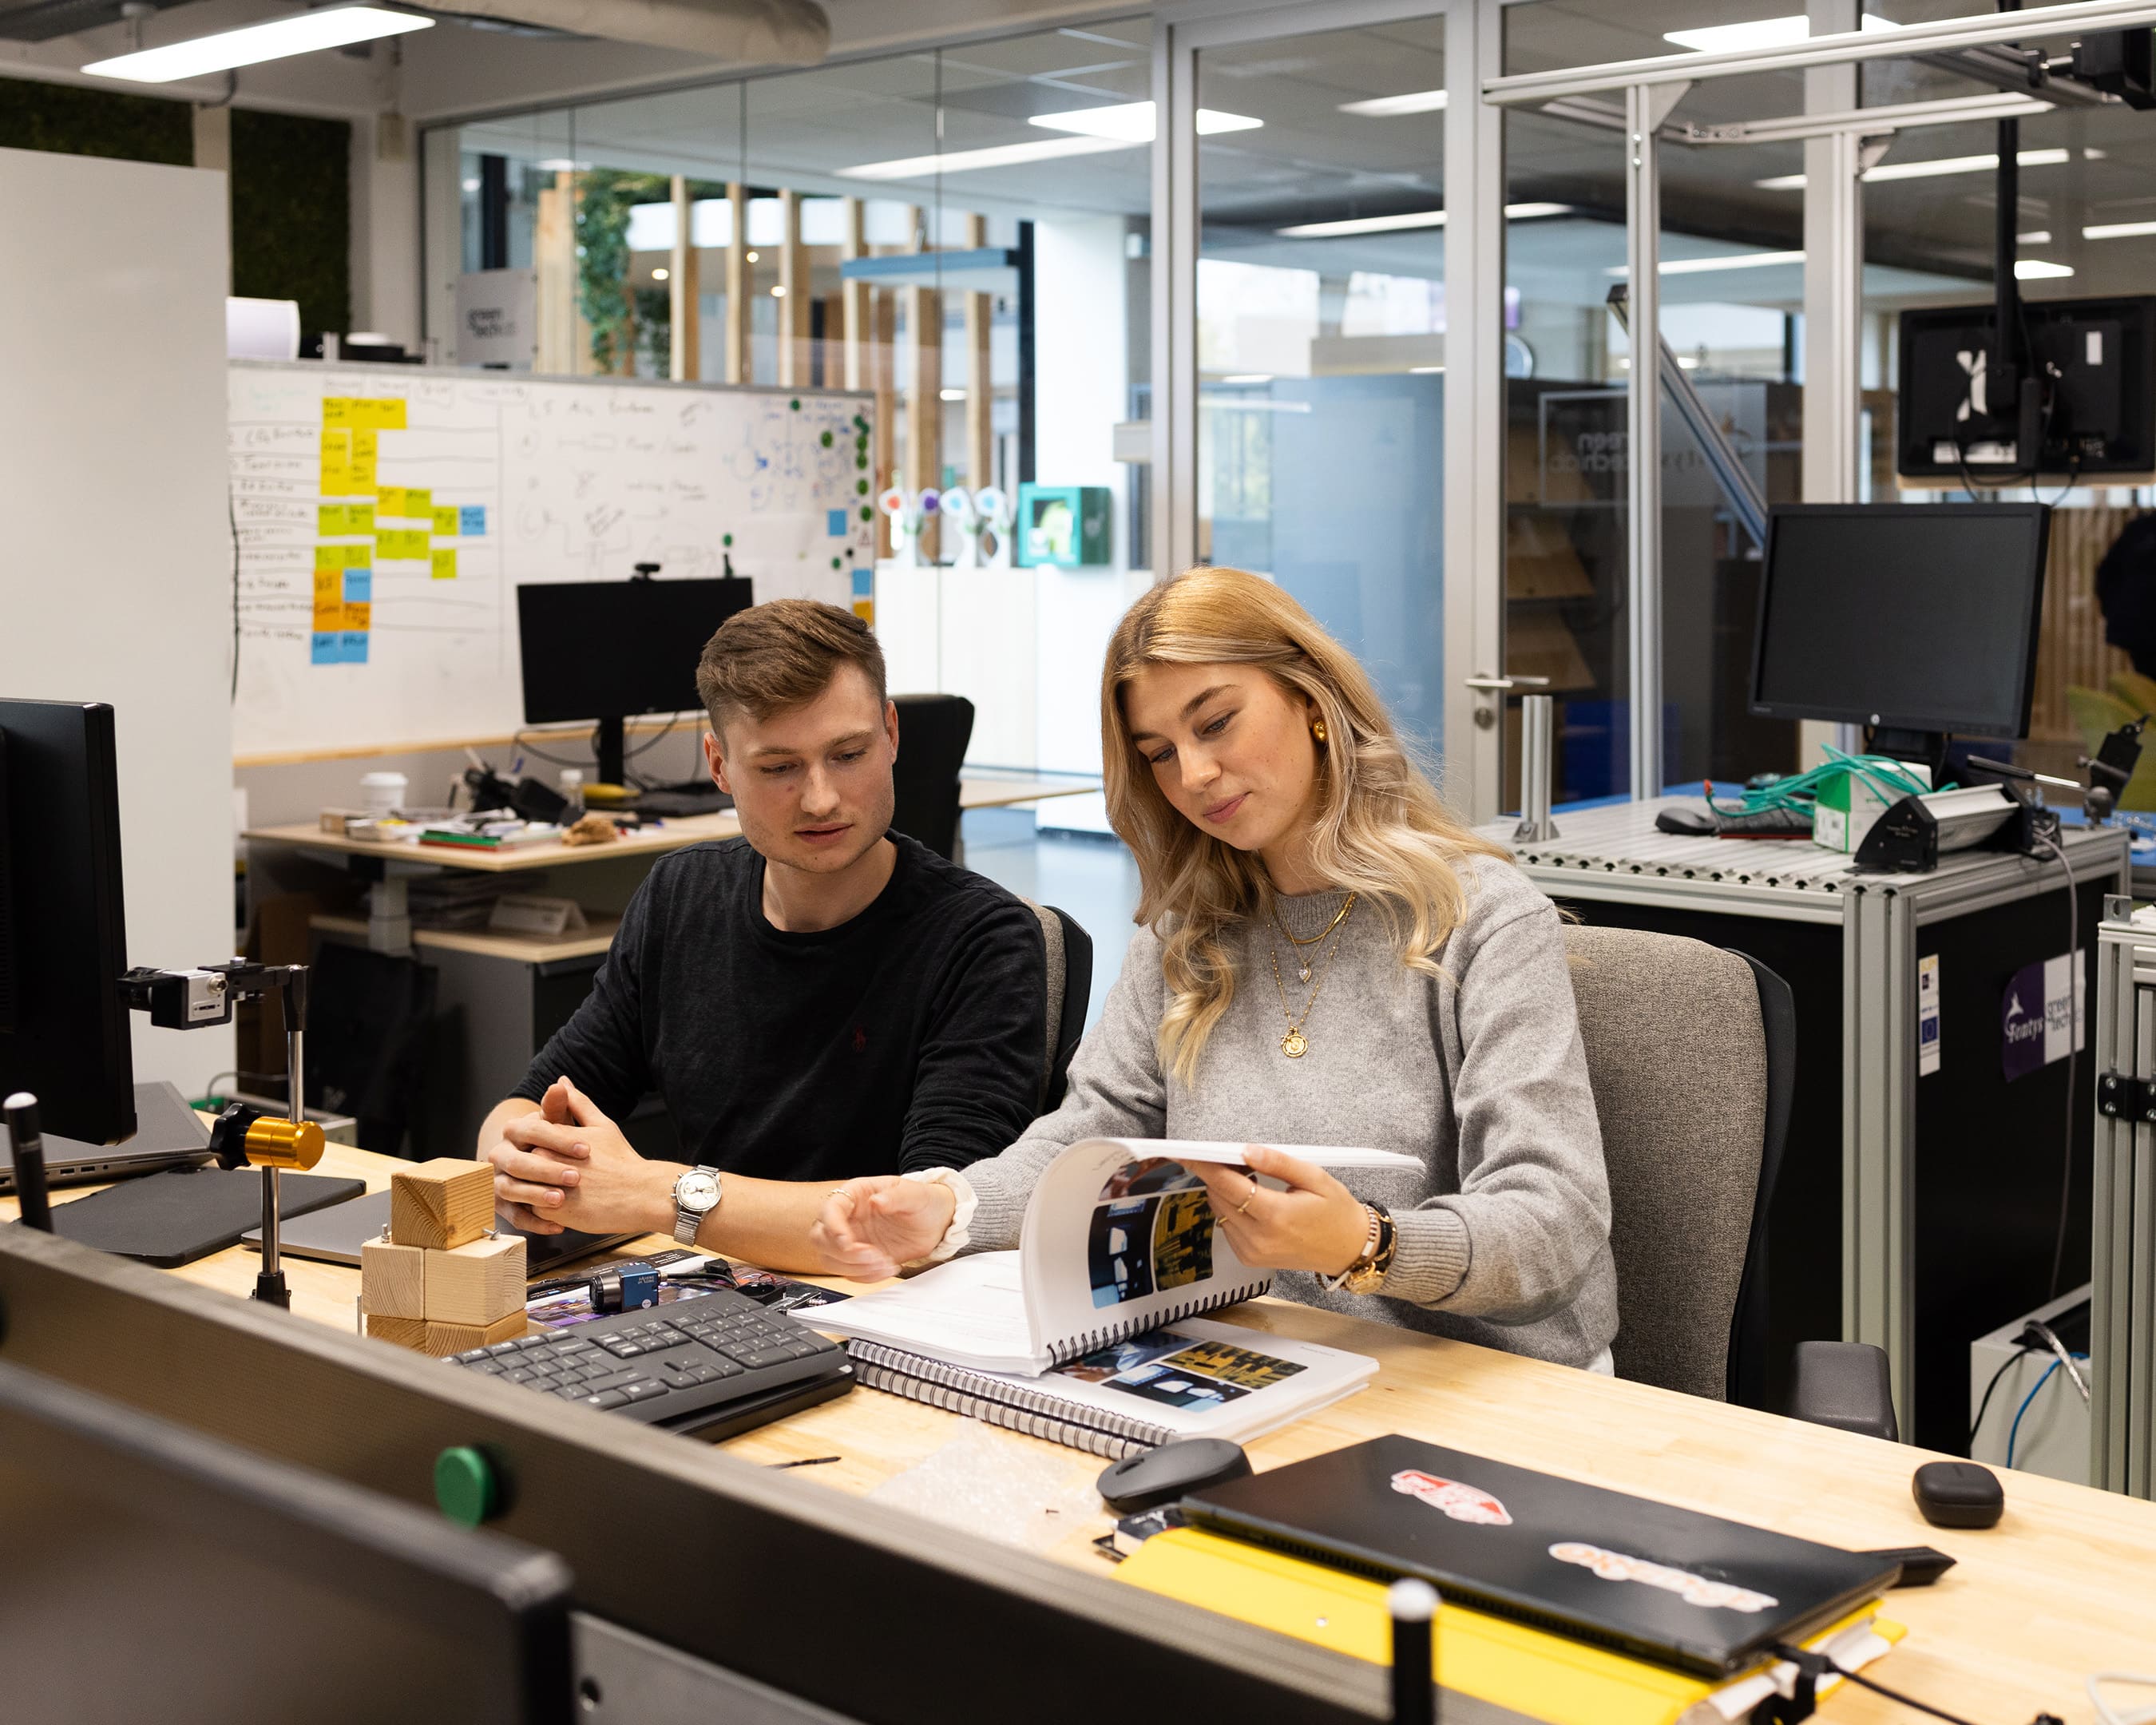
1643,1578
335,1235
167,1134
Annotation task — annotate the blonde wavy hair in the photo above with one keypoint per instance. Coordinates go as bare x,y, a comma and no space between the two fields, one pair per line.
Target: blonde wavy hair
1381,830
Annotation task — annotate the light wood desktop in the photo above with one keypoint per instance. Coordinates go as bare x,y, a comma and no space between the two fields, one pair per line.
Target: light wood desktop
2061,1587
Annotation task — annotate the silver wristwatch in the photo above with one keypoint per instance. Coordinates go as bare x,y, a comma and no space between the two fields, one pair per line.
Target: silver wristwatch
695,1196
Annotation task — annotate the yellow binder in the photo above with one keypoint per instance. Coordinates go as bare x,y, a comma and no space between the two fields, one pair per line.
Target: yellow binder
1545,1676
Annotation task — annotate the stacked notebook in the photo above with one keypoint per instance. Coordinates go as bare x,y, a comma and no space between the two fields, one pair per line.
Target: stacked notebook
1088,1333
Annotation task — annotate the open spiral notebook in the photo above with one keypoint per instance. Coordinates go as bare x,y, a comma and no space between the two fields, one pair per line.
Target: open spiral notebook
1089,1332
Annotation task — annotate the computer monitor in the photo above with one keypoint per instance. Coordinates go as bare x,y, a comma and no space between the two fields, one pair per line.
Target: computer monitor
64,1030
610,649
2088,361
1915,619
154,1572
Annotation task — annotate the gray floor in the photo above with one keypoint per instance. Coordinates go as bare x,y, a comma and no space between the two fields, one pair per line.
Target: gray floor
1090,876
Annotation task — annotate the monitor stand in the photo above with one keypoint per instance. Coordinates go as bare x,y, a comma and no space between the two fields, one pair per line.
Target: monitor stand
1926,748
608,742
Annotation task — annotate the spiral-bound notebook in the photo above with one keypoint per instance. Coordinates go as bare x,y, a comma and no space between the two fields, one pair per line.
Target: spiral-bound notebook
1119,1245
1188,1379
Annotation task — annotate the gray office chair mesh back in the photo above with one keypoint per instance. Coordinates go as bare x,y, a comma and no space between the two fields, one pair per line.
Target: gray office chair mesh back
1676,1053
1069,951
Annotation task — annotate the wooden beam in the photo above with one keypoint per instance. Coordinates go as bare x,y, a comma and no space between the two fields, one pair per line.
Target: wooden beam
740,285
924,403
683,298
565,338
980,311
883,430
854,295
795,367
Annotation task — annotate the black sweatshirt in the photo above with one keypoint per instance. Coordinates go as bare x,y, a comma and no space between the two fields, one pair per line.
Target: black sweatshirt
913,1036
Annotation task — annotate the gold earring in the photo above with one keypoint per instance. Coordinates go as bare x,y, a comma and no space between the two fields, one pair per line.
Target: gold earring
1317,729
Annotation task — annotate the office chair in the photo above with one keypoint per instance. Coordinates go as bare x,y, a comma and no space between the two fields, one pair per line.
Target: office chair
933,732
1692,1056
1070,954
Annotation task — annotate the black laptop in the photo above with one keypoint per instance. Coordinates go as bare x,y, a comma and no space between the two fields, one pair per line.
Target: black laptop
1642,1577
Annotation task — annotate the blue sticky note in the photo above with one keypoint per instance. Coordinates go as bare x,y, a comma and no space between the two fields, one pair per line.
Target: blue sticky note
328,648
472,520
358,587
355,647
834,523
864,583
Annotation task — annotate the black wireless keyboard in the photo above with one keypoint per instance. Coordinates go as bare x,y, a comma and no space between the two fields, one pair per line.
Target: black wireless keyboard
720,1360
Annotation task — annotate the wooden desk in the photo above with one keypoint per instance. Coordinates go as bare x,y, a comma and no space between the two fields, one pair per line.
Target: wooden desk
2065,1586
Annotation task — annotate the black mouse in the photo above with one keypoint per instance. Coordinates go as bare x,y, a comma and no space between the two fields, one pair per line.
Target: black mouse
1156,1476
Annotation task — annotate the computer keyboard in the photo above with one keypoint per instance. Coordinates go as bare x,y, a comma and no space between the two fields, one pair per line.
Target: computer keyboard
691,1365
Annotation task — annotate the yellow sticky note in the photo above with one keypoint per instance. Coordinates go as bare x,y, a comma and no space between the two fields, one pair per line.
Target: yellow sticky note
418,503
357,615
363,462
406,544
389,501
337,410
445,523
865,610
378,415
329,520
359,517
329,556
337,481
445,566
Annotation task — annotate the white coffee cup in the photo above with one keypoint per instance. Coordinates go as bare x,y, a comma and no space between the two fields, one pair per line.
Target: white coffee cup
383,793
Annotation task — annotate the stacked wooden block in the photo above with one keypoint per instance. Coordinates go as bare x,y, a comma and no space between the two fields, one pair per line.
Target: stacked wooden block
443,1282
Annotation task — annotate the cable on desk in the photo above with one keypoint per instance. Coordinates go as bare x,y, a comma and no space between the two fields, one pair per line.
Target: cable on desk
2073,1052
2105,1713
1983,1406
2014,1431
2066,1356
1802,1657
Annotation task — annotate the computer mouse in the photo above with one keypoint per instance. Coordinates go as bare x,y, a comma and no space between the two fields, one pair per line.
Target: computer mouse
1959,1494
1161,1476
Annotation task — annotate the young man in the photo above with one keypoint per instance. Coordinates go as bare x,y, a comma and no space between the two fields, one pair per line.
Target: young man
820,999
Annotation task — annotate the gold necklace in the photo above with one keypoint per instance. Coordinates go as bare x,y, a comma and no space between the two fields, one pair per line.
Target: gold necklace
1339,916
1295,1045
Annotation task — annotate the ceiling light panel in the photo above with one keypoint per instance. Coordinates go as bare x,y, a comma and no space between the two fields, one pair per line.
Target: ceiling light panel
1407,219
279,39
1416,102
1760,33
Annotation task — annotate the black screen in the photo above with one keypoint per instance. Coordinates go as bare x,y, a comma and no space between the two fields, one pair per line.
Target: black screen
608,649
1921,617
154,1573
65,1038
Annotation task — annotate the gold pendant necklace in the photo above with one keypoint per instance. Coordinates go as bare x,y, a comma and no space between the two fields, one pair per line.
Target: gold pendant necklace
1295,1045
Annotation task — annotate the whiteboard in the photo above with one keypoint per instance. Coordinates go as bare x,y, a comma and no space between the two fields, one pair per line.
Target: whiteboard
384,519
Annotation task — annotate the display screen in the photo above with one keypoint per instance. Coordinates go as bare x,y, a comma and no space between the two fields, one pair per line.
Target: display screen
1921,617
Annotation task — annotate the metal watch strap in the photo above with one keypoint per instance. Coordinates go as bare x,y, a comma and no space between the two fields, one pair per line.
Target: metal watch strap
688,1223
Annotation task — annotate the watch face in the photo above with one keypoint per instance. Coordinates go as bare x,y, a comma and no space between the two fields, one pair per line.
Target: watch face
696,1190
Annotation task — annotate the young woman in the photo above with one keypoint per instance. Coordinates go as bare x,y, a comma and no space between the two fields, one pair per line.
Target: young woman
1325,957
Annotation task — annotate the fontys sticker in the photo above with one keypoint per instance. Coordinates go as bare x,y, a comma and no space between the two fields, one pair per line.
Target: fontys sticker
2042,1016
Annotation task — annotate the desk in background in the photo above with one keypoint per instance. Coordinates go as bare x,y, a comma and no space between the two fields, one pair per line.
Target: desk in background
1916,1211
2060,1589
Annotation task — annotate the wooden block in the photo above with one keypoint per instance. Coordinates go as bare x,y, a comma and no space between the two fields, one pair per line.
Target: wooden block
443,1340
405,1332
478,1283
392,1280
441,1203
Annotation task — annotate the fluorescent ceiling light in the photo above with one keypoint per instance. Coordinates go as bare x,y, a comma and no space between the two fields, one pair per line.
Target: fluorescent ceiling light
1416,102
1132,122
951,395
1707,266
1249,377
1407,219
2040,270
2042,236
1931,170
304,33
2119,230
958,162
1760,33
1424,371
562,165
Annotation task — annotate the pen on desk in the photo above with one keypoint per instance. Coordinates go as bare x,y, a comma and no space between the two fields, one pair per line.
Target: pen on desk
806,1461
1413,1604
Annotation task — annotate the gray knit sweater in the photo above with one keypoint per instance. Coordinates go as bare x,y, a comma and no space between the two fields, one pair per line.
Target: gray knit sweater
1504,1238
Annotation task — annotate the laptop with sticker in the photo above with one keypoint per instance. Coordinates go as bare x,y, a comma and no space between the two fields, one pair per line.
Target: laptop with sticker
1642,1577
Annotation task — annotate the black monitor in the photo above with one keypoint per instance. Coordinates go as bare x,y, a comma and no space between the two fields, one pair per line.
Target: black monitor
154,1572
610,649
1914,620
2093,409
64,1030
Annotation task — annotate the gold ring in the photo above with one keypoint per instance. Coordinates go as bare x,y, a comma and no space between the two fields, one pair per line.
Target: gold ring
1245,1203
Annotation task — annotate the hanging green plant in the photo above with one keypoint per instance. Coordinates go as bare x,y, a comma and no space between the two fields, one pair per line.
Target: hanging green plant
605,196
655,330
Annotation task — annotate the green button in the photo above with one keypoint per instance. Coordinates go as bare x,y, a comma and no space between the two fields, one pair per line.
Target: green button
795,405
727,539
861,488
465,1488
827,439
867,514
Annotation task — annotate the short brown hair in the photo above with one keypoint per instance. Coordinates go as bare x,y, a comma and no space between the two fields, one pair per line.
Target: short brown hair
782,654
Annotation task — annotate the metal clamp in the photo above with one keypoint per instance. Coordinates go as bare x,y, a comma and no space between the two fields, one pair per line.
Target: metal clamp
2119,1097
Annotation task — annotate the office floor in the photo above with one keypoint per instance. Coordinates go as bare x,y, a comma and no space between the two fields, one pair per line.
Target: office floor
1090,875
